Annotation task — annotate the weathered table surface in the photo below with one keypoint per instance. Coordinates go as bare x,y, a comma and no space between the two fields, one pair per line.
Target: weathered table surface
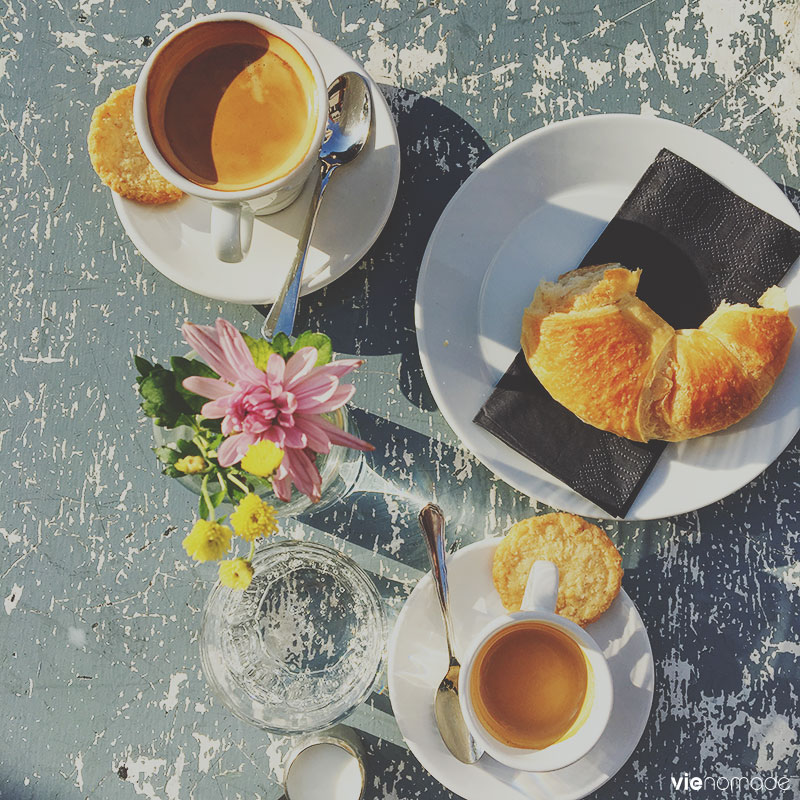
101,690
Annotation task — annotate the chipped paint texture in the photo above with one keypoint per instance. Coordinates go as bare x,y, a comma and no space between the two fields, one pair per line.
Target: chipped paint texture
102,690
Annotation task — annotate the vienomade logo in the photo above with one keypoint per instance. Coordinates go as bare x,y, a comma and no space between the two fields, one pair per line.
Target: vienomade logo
770,785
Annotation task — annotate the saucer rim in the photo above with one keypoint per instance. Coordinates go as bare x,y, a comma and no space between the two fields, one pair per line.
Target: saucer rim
426,762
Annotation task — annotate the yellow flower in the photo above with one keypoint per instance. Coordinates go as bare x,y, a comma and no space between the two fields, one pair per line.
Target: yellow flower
236,573
207,541
190,465
253,518
262,458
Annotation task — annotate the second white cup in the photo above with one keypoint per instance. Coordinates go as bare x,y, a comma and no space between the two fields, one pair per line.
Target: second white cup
538,605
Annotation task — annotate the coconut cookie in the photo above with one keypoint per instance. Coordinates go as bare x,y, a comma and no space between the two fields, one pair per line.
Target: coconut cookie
117,156
589,571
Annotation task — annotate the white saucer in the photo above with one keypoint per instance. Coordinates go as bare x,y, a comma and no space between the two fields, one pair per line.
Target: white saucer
175,238
530,212
418,660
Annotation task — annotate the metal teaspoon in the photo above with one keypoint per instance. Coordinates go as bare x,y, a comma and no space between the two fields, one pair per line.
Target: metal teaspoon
446,708
349,123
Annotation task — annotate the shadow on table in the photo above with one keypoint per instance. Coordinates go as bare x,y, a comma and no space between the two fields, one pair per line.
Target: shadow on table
793,195
410,468
370,310
407,470
385,780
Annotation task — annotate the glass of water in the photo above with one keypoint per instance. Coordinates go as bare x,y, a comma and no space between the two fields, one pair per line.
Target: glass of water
302,646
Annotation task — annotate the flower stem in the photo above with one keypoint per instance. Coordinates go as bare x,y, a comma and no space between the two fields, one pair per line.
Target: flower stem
207,498
233,479
221,479
202,444
252,550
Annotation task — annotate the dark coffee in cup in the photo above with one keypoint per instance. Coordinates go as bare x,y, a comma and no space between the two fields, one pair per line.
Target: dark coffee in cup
528,685
231,106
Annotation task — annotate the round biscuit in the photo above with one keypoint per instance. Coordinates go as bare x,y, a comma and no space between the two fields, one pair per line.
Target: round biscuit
589,565
117,156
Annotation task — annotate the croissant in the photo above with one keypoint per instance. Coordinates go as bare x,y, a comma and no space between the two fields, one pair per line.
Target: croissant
605,355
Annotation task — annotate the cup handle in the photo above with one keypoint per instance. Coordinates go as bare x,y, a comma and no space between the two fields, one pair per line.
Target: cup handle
231,230
541,590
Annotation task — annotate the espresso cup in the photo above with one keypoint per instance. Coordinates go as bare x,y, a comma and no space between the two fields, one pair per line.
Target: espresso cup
246,141
593,706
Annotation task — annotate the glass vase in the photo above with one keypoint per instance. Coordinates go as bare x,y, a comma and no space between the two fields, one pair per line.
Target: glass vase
339,470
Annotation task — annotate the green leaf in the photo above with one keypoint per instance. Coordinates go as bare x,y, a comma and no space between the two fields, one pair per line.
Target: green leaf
318,340
220,473
171,472
160,400
186,447
203,509
218,497
256,481
210,427
185,418
281,345
236,494
260,349
166,455
143,365
183,368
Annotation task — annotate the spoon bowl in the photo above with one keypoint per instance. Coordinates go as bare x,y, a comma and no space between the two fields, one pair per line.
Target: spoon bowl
349,119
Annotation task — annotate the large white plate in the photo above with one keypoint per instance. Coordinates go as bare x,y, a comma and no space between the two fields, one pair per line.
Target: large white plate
176,238
418,660
531,212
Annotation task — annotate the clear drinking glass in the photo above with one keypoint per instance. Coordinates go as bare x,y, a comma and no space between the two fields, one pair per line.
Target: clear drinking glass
302,646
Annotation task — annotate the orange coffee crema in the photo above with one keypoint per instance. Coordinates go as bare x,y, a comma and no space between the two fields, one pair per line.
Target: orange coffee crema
231,106
528,685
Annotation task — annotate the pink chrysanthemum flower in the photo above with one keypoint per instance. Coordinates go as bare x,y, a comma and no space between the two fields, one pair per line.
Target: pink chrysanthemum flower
283,404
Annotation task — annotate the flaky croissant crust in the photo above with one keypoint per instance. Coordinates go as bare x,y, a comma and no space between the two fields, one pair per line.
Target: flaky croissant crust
605,355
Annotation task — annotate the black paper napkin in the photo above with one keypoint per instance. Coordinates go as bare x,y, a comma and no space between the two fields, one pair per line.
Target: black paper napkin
697,244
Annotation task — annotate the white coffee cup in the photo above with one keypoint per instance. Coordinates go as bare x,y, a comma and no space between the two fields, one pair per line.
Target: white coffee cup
538,605
232,211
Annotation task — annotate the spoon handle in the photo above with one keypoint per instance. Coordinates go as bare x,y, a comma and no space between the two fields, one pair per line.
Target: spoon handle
431,520
281,316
